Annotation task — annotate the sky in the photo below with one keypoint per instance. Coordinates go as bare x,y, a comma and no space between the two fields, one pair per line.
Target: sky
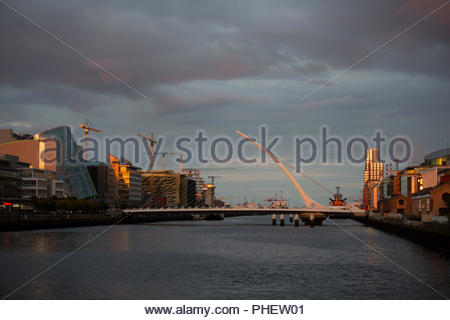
217,66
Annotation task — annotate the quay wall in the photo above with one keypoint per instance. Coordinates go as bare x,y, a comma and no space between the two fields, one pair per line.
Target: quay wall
436,235
30,221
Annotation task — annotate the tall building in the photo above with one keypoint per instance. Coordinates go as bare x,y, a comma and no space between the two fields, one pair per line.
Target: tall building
129,182
373,167
373,175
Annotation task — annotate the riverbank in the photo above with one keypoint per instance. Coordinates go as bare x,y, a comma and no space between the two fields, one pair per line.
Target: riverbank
31,221
435,235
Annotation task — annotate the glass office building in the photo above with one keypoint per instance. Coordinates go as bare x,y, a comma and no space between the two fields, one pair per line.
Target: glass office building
77,180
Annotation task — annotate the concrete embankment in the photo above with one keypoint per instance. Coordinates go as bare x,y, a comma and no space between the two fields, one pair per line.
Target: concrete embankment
29,221
436,235
157,216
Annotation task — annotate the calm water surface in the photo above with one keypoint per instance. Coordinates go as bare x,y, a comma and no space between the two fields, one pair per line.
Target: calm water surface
239,258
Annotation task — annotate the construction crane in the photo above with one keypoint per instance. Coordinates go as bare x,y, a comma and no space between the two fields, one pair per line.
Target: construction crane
152,141
214,177
163,157
86,128
181,163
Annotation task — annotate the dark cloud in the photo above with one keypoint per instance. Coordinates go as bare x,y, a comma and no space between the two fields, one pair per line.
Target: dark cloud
326,83
151,43
167,102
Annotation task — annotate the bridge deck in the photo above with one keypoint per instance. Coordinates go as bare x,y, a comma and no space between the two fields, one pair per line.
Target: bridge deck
240,210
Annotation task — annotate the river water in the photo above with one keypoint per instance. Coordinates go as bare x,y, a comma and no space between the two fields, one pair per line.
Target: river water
238,258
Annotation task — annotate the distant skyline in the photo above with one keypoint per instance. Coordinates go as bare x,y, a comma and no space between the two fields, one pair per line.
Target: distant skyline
218,66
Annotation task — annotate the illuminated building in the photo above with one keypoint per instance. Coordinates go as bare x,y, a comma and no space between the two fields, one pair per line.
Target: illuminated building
373,175
38,153
438,158
129,182
434,201
373,167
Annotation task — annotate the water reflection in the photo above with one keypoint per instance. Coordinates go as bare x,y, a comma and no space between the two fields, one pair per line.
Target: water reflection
119,240
239,258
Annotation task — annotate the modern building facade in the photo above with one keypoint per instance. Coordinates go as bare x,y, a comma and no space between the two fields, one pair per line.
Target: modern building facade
209,194
129,182
105,183
179,190
9,182
31,182
39,183
53,150
188,192
70,164
39,153
373,175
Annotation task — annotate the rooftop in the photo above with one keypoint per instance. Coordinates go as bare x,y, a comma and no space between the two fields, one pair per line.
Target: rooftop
438,154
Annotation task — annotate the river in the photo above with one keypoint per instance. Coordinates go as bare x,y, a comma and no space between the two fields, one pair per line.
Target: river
238,258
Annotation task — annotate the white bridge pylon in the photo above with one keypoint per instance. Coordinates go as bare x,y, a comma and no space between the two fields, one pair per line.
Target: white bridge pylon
309,203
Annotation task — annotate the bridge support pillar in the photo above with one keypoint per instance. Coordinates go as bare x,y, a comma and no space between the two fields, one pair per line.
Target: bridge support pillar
274,219
313,218
297,220
290,218
281,219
